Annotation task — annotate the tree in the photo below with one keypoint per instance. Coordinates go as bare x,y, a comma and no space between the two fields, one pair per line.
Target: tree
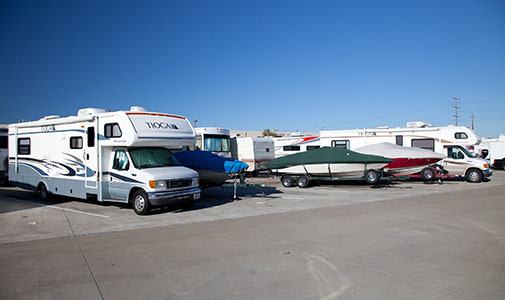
268,132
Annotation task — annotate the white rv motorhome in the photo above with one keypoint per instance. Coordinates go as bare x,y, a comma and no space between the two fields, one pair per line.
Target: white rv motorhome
4,153
494,150
255,151
122,156
213,139
295,143
452,141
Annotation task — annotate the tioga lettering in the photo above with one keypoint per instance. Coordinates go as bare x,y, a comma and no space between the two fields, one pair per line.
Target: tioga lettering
161,125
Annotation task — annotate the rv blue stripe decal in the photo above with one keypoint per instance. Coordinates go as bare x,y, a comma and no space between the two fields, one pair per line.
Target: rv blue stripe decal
35,168
121,177
36,132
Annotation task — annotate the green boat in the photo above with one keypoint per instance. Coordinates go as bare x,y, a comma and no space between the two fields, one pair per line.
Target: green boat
327,163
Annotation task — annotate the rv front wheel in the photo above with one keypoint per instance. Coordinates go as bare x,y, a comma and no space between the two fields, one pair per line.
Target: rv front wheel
474,175
140,203
372,177
42,192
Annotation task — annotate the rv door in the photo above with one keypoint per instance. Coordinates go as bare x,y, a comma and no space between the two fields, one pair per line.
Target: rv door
90,158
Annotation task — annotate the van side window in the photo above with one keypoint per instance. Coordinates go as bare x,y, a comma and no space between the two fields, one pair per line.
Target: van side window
112,130
341,144
460,136
313,147
291,148
75,142
91,136
455,153
428,144
24,146
121,161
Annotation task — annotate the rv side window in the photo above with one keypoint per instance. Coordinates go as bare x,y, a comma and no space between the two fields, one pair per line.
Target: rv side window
313,147
91,136
399,140
76,142
460,136
112,130
3,142
428,144
24,146
342,144
121,161
291,148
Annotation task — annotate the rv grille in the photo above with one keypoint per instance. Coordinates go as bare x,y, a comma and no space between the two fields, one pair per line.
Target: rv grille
178,183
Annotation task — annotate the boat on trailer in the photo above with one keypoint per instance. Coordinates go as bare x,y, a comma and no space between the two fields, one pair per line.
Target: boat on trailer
405,161
327,163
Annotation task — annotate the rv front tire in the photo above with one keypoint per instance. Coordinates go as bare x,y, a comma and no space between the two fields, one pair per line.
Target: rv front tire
474,175
140,203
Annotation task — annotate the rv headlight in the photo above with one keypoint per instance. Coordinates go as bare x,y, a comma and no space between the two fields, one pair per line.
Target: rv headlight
195,181
157,184
486,166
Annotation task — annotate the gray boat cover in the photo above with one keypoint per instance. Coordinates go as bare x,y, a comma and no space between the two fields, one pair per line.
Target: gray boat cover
394,151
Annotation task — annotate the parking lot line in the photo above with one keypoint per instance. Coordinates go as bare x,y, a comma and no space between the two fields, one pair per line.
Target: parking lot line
78,211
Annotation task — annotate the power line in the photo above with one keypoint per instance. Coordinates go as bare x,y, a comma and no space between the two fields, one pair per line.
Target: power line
456,108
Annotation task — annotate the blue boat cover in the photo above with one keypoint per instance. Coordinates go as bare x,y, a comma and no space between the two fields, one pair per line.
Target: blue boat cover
205,160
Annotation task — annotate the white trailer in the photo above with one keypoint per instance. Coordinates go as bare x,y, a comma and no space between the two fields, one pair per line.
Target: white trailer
4,153
452,141
255,151
295,143
214,139
122,156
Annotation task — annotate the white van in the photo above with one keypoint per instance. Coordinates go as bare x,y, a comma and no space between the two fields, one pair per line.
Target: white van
460,162
122,156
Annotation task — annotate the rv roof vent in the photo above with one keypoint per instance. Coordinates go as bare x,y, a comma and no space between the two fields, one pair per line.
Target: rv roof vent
297,133
382,127
50,117
418,124
90,111
137,108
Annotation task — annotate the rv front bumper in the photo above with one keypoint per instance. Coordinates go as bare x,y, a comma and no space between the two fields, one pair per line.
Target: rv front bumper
487,173
168,197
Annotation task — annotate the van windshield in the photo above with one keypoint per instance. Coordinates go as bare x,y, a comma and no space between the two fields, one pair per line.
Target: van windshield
151,157
466,152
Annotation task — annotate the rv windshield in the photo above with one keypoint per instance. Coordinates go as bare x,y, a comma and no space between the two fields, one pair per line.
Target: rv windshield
217,143
151,157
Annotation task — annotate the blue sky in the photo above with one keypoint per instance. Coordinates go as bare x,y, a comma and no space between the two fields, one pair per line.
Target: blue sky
288,65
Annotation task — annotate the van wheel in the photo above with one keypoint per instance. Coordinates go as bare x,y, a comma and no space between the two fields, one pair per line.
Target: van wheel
427,174
43,193
287,181
372,177
474,176
303,181
140,203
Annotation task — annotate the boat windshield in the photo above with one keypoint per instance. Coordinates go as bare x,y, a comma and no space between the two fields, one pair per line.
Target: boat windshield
151,157
217,143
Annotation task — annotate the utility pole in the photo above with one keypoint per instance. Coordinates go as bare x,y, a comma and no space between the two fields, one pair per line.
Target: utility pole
456,108
473,121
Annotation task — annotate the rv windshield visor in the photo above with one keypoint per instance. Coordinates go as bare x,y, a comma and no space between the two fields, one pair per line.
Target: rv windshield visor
151,157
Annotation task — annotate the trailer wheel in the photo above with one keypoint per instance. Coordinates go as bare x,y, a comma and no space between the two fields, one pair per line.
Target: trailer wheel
287,181
140,203
372,177
303,181
427,174
474,175
43,193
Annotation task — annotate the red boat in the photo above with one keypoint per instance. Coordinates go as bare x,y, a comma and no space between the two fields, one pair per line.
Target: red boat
405,161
